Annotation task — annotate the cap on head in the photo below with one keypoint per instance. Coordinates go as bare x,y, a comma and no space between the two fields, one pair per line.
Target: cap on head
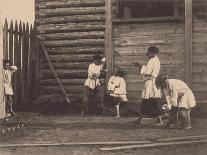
120,72
97,57
153,49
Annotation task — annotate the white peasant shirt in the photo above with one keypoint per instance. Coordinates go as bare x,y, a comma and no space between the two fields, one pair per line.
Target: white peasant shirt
93,70
117,86
150,72
178,94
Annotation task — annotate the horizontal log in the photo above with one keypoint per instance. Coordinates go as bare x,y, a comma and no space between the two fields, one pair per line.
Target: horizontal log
65,82
68,4
76,50
56,98
71,19
46,90
70,58
74,35
66,65
74,43
72,11
64,74
72,27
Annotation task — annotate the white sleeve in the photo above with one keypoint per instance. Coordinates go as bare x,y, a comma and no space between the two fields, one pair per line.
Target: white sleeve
111,85
90,71
147,69
173,95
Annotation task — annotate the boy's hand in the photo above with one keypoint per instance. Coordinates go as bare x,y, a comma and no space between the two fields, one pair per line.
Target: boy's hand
137,64
13,68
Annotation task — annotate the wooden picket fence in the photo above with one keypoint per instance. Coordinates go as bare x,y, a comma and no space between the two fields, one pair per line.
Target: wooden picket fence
21,49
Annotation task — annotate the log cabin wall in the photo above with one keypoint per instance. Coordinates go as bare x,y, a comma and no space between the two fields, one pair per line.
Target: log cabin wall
73,31
199,79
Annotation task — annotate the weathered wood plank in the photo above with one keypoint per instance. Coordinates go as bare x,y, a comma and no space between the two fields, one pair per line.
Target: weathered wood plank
72,11
71,19
155,39
74,43
72,27
148,29
11,41
5,41
74,35
69,4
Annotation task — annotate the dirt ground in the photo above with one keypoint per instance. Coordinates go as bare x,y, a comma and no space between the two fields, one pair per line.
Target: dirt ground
65,129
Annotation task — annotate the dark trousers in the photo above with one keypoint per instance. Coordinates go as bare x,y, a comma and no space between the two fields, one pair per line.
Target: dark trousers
93,95
182,113
150,107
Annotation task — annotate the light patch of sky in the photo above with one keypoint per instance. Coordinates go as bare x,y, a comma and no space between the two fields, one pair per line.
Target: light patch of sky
18,10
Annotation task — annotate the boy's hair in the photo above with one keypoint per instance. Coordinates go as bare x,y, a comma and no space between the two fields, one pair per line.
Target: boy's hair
160,79
6,61
120,72
153,49
97,57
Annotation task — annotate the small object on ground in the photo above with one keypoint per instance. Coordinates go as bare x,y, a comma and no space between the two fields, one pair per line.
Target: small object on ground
3,131
18,126
8,129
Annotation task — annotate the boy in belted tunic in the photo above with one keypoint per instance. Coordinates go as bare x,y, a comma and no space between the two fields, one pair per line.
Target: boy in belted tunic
150,105
180,100
92,83
8,90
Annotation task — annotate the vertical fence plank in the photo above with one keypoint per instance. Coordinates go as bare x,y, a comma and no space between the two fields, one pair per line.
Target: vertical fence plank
19,65
5,41
11,43
23,66
16,58
36,60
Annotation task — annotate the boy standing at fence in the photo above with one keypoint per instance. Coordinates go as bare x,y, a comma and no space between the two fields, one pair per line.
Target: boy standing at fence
150,105
8,90
117,89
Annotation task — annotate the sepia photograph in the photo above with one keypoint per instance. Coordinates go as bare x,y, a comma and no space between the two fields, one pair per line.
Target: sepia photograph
103,77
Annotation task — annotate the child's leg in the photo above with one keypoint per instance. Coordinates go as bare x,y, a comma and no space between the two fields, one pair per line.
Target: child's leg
100,94
185,118
85,102
9,104
173,116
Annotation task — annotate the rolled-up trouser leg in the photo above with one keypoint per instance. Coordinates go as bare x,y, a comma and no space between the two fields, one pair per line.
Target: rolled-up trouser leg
173,116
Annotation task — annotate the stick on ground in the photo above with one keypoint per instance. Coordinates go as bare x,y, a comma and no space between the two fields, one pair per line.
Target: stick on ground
153,145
